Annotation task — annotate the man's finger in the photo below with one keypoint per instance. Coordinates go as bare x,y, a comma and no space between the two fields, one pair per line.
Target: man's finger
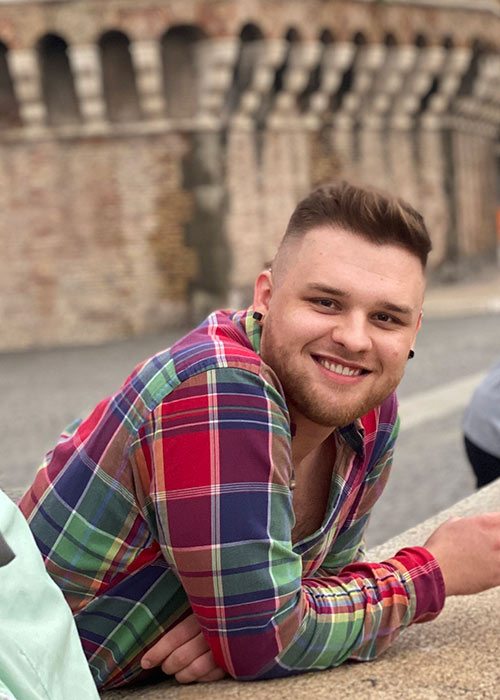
185,655
176,637
199,668
216,675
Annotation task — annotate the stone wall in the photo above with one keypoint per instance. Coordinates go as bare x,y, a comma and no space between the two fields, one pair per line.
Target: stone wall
151,151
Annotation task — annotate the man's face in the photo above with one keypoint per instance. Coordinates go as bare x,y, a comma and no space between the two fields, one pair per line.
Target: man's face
339,320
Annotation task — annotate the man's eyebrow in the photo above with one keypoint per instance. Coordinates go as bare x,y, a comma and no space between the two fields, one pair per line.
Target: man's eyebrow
386,305
404,310
326,289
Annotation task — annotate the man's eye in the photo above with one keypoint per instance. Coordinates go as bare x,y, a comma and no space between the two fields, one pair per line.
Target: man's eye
386,318
326,303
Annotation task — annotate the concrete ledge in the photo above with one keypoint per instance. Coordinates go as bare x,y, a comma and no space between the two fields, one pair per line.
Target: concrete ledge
456,656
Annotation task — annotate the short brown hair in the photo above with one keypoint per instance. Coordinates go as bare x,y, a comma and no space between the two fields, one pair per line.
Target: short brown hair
373,214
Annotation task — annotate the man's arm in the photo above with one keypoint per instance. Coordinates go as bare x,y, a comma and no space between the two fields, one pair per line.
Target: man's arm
461,545
223,509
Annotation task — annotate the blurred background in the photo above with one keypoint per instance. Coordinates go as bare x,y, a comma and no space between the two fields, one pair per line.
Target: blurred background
151,152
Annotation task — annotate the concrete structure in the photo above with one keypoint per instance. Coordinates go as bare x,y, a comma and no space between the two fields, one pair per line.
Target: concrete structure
152,150
455,656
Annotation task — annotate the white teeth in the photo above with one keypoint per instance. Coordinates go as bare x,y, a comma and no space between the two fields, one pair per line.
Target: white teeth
340,369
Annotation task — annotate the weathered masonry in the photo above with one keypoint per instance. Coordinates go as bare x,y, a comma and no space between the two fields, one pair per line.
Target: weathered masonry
152,150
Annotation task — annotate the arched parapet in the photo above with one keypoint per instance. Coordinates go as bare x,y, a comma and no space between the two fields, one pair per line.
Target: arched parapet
84,21
196,74
57,83
9,106
301,58
473,123
358,81
418,83
25,74
436,104
180,70
249,46
253,76
273,24
478,98
323,79
168,72
230,74
86,65
387,81
118,77
216,58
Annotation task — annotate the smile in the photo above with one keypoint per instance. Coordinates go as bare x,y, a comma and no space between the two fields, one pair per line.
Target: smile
340,369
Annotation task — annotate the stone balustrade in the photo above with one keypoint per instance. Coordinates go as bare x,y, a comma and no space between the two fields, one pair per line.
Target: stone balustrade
25,76
85,64
388,85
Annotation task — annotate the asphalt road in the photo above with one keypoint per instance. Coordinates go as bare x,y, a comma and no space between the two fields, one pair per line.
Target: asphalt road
42,391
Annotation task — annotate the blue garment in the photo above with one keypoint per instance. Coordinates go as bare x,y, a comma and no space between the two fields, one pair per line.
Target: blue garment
482,415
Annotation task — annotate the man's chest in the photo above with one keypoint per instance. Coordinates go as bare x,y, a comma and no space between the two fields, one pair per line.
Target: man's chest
310,497
309,506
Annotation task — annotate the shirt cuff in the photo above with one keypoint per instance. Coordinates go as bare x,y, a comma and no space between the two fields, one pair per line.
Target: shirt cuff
427,581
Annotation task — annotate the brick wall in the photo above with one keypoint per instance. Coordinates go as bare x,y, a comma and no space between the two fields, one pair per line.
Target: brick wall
92,238
151,151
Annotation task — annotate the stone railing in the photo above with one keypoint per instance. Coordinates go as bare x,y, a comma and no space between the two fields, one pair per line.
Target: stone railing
301,83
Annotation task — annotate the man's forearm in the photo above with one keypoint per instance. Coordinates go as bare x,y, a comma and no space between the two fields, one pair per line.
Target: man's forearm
359,613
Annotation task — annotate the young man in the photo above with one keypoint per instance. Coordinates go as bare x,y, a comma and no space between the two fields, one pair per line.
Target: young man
209,516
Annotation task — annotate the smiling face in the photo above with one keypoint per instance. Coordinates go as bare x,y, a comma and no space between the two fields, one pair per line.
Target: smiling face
340,316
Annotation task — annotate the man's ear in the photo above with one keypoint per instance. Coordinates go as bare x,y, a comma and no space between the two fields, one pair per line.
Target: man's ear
263,291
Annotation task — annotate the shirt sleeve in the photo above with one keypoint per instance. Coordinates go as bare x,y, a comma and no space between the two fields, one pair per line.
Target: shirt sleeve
219,453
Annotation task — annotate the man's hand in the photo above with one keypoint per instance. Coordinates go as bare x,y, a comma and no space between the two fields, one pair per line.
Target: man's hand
184,652
468,552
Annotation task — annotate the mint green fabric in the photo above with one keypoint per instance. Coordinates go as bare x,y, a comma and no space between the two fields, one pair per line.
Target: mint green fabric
41,657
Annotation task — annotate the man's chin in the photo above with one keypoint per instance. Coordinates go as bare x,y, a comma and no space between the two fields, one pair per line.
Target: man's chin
339,416
333,418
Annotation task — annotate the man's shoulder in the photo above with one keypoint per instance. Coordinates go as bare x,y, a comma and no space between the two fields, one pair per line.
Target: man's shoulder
219,343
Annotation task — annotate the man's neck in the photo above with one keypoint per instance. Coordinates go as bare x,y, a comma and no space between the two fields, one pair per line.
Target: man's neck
309,436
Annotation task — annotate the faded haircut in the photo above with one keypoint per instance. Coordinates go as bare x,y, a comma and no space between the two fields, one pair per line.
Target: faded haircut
365,211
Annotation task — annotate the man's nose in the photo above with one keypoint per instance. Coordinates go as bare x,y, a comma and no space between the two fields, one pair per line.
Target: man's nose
352,332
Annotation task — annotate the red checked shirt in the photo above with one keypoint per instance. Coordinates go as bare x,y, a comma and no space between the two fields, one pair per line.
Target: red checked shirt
174,494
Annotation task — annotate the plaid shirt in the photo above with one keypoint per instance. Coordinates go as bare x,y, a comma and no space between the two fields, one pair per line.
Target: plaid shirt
174,494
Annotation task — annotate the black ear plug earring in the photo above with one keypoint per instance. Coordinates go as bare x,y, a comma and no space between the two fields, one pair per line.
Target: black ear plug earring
257,316
411,354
